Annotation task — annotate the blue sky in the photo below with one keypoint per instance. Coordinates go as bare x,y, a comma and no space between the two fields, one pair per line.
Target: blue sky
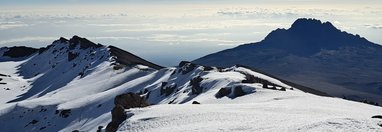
168,31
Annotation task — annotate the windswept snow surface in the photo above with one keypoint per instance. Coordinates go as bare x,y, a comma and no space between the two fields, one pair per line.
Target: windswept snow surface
291,113
48,92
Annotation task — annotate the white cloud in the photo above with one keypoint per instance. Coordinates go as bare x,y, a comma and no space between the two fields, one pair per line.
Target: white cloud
9,25
172,38
114,38
26,39
374,26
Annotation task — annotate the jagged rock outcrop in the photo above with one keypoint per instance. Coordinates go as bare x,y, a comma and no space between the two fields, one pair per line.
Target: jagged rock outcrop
238,91
186,67
128,59
167,90
223,92
19,51
377,116
122,102
195,85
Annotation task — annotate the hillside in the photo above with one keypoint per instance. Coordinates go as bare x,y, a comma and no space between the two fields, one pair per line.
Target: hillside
314,54
78,85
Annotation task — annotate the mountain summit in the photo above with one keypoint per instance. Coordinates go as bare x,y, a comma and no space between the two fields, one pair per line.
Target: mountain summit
315,54
311,35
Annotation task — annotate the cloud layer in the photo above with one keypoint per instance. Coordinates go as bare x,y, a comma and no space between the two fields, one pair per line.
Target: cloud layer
175,28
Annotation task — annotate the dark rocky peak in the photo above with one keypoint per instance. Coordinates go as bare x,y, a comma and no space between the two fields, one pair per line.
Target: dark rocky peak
19,51
311,25
128,59
186,67
309,36
83,42
62,40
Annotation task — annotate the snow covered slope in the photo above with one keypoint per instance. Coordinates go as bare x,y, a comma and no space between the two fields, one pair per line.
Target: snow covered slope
72,84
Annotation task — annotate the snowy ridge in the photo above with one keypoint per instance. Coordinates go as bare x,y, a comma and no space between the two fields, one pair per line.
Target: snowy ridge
71,85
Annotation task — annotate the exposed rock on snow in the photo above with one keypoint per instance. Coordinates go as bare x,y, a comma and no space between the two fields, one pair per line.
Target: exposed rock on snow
223,92
129,59
195,102
130,100
122,102
377,116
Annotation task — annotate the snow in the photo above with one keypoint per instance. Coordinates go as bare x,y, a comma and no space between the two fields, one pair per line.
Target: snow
269,112
17,85
46,85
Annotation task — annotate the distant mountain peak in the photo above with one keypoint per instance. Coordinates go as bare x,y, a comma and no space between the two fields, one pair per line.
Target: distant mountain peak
307,24
308,36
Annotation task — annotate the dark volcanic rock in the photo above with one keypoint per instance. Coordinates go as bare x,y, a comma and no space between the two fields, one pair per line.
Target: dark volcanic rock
65,113
207,68
122,102
128,59
195,102
377,116
130,100
167,90
186,67
72,56
195,85
238,91
265,84
83,42
19,51
223,92
118,115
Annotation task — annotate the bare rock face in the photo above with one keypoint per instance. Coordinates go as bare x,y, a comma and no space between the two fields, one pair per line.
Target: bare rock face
130,100
167,90
238,91
127,58
195,102
21,51
122,102
377,116
83,42
72,56
118,115
223,92
195,83
186,67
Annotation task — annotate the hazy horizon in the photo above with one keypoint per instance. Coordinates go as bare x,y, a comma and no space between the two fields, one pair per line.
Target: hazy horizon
166,32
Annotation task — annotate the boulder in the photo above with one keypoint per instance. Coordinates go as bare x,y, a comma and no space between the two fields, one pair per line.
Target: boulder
186,67
223,92
118,115
238,91
207,68
195,102
283,89
195,85
130,100
167,90
122,102
377,116
265,84
65,113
